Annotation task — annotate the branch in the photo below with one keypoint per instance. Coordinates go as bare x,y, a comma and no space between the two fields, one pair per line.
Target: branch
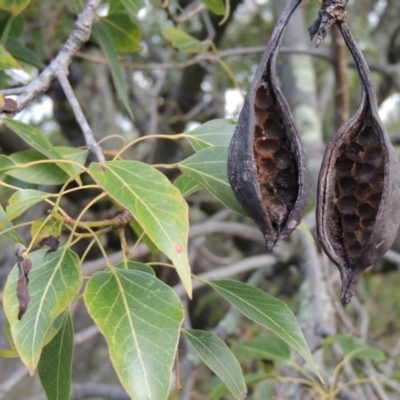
246,265
79,35
91,143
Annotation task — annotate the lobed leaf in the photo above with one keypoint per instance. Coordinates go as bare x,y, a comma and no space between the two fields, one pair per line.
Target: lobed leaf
140,318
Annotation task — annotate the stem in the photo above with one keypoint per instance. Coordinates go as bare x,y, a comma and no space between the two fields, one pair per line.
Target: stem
361,63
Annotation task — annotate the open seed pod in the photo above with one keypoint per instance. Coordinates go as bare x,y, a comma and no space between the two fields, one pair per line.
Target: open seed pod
265,165
358,206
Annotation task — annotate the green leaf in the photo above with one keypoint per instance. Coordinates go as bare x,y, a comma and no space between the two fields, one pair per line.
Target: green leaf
4,224
10,26
269,347
353,347
23,54
216,6
15,7
141,234
134,6
135,266
23,200
217,132
6,164
219,358
182,40
157,205
186,185
268,312
140,318
55,365
6,59
250,379
110,52
53,283
45,173
38,141
124,33
208,167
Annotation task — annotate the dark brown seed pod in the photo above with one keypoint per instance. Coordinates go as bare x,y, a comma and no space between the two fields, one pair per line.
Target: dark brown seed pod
358,206
265,164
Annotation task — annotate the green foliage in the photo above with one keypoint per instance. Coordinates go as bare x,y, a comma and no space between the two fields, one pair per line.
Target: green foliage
53,283
140,318
181,40
55,363
218,357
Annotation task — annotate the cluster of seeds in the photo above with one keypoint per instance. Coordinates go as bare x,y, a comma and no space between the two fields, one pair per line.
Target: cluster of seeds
276,167
360,180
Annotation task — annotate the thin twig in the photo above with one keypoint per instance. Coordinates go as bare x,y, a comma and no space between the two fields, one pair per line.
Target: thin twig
249,264
91,143
79,35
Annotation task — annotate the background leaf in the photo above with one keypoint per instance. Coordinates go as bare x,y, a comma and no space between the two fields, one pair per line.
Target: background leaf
354,347
15,7
182,40
217,132
38,141
115,68
208,167
186,185
6,59
53,283
23,200
55,365
135,266
23,54
219,358
140,318
216,6
268,347
158,207
133,6
4,224
267,311
124,33
46,173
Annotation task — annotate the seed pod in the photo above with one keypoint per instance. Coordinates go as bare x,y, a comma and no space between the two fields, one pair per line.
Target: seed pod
265,164
358,206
